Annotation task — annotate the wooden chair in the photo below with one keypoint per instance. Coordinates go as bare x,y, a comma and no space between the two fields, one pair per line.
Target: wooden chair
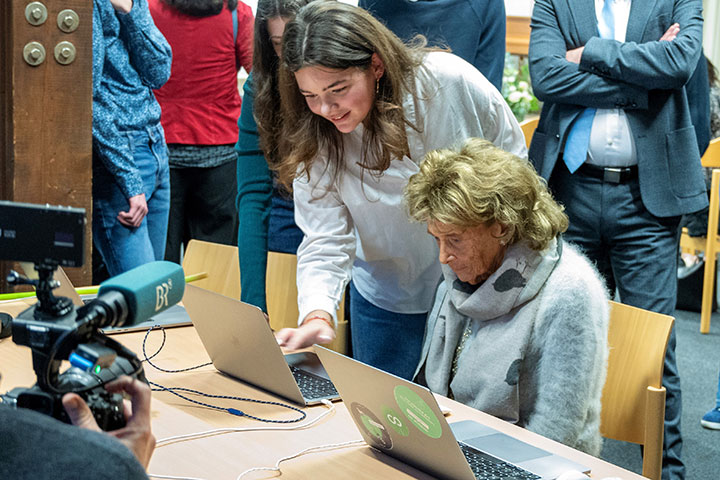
633,399
220,262
528,128
281,295
710,243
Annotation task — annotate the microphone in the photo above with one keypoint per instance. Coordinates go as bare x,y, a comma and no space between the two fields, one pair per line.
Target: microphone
136,295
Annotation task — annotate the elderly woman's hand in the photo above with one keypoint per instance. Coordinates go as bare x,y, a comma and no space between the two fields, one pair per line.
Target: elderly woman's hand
316,328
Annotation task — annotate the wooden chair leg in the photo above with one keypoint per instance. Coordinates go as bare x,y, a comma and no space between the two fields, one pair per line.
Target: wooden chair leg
711,251
707,294
654,422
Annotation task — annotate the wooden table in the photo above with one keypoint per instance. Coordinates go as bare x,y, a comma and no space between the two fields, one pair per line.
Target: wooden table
225,456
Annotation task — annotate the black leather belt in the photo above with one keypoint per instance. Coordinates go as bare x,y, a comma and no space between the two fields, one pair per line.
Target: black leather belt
609,174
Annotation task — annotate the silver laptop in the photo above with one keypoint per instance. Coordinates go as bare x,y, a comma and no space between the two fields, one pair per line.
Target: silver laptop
65,287
241,344
403,420
175,316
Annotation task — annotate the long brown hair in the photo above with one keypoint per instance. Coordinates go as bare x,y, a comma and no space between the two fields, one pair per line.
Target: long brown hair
265,74
340,36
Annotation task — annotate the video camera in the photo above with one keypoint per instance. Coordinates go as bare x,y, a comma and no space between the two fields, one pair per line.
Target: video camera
55,330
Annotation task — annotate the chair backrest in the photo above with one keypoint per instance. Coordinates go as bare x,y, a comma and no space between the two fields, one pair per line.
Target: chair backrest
633,399
220,262
528,128
281,296
710,243
281,290
711,157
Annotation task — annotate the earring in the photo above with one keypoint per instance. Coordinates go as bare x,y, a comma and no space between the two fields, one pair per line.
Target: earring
377,86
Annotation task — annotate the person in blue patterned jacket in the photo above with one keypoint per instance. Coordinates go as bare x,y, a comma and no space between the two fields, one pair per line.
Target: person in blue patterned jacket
131,183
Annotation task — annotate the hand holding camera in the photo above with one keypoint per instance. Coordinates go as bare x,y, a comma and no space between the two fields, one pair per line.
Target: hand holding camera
136,434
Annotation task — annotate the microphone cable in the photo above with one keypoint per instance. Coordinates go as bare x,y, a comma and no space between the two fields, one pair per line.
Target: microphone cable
233,411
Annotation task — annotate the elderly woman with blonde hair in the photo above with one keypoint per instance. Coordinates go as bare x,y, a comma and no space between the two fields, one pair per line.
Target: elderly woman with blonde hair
519,324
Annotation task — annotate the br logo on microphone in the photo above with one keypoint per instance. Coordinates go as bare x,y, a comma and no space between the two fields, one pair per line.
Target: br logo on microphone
161,294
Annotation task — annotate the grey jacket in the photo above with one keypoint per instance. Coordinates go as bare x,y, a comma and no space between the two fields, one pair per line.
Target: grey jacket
540,360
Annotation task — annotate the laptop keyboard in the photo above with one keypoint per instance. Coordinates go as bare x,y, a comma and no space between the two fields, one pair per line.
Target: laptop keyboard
487,467
313,386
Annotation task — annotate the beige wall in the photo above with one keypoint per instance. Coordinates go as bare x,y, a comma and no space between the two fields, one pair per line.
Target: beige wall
518,8
711,36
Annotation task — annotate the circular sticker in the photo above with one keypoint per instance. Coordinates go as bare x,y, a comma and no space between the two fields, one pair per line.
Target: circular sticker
393,419
375,431
417,411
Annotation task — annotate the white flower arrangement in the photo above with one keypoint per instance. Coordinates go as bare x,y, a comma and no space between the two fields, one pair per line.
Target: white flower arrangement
516,88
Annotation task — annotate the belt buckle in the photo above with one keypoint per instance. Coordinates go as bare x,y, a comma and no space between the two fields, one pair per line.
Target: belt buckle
612,174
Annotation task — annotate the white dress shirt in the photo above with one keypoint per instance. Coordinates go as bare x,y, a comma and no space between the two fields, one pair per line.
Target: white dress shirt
611,140
356,224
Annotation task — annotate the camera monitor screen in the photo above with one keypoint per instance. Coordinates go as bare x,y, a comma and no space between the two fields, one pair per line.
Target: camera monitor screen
42,233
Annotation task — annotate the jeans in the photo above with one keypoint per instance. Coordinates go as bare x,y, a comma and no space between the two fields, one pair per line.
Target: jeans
637,253
123,248
386,340
283,234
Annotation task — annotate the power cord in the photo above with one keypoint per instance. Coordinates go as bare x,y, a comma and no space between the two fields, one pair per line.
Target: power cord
221,431
318,448
232,411
162,345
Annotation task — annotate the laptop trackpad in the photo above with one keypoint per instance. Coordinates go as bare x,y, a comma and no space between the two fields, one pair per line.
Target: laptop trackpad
506,447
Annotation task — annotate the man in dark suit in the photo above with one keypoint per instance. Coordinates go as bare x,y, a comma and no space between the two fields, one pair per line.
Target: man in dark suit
616,142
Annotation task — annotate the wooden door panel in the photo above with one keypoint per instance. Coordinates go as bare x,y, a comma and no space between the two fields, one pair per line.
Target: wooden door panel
47,114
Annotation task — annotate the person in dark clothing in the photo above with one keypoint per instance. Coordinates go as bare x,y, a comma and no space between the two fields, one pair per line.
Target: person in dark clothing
475,31
69,452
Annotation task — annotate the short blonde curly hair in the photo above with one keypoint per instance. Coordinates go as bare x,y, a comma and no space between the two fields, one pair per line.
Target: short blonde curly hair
481,184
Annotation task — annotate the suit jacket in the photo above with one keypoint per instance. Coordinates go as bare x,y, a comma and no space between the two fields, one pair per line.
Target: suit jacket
643,76
698,93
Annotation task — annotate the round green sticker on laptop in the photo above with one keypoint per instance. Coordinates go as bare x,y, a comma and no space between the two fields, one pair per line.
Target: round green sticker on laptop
395,422
417,411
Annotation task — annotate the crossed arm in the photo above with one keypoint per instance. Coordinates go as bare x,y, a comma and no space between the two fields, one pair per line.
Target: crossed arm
605,73
575,54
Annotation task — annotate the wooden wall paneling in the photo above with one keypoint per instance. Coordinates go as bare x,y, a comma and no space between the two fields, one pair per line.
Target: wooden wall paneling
6,121
517,35
47,114
5,102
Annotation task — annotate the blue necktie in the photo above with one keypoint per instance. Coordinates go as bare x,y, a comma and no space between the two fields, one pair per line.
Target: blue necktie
578,139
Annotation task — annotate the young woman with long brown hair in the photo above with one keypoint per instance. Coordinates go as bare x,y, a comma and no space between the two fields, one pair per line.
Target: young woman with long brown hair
360,110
